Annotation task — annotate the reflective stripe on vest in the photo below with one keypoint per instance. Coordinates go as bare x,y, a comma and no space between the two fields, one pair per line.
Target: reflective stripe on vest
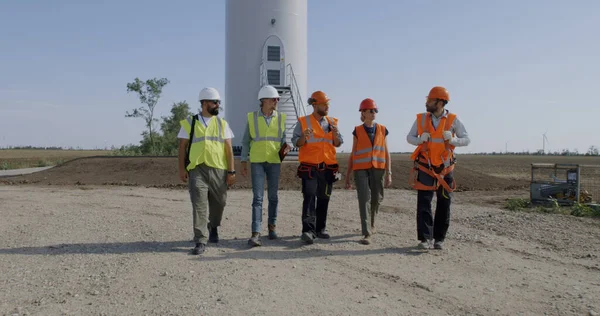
369,155
318,148
259,138
217,138
438,151
208,144
316,140
264,147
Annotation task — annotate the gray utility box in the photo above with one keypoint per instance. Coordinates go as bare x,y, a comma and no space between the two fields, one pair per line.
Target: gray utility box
560,182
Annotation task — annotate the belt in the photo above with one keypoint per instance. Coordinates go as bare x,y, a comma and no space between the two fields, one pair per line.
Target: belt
320,166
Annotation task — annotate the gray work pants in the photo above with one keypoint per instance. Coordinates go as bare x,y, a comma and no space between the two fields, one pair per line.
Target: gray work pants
208,192
369,188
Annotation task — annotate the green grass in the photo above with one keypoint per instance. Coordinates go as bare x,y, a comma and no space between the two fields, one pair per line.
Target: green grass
578,210
31,158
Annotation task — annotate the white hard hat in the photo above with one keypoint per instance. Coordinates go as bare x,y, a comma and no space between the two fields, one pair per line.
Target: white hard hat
209,94
267,92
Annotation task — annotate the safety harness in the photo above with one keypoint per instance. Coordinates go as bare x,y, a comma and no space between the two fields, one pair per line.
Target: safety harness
423,163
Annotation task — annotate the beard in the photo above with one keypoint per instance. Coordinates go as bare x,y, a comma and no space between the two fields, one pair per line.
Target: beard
322,112
214,111
431,109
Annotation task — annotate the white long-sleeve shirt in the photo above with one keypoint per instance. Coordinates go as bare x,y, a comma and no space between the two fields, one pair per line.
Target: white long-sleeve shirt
461,136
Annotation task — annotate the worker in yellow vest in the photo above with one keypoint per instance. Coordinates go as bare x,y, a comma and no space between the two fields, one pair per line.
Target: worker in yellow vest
317,136
435,133
371,164
206,164
264,138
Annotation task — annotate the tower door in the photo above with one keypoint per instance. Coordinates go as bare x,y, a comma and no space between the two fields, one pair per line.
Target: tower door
274,61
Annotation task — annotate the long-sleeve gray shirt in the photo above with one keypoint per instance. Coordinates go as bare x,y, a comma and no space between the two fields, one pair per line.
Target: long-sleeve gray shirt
246,140
324,125
461,136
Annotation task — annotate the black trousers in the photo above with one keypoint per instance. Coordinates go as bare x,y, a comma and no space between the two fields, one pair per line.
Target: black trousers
317,185
429,227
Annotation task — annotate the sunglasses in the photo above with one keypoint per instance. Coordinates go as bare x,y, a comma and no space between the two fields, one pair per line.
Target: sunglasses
214,101
275,99
371,111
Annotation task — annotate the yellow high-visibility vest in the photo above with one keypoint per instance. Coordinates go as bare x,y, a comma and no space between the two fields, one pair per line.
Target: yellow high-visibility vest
265,140
208,143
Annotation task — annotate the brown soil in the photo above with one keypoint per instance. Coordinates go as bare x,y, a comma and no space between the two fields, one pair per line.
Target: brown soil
470,173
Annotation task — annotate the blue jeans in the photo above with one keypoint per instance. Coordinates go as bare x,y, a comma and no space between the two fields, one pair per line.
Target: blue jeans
260,172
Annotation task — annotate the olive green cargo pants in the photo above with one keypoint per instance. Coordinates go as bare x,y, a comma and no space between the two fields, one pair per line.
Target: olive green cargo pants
208,192
369,188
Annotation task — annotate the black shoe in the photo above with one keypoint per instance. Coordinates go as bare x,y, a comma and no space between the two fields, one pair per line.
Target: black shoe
307,238
323,234
213,236
199,249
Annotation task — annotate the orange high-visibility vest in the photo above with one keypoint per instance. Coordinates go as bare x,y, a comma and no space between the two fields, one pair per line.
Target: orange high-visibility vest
369,155
319,146
435,149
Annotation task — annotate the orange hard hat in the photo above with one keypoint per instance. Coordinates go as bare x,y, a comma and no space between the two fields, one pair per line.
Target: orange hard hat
439,93
318,98
367,104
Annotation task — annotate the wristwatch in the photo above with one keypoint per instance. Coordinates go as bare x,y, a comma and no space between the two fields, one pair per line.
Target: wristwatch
231,172
389,173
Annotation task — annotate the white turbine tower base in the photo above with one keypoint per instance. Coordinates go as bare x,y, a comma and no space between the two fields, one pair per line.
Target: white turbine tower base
266,43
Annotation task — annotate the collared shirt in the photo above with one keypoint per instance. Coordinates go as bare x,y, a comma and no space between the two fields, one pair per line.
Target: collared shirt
461,139
324,125
247,139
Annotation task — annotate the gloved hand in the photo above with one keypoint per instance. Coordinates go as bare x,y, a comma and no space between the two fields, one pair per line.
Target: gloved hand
447,135
424,137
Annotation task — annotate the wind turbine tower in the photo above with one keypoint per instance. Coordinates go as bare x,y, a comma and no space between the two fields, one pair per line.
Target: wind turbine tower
544,141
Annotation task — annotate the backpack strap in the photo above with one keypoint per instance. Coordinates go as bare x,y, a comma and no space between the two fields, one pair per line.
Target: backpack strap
187,155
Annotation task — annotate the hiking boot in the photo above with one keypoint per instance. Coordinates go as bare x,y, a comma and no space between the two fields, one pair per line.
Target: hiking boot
199,249
323,234
213,235
272,233
254,241
424,244
439,245
366,240
308,238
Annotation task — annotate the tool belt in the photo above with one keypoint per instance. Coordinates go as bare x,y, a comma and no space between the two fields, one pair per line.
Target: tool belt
305,170
423,164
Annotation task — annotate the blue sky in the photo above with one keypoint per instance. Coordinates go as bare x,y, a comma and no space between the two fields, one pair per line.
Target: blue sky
514,68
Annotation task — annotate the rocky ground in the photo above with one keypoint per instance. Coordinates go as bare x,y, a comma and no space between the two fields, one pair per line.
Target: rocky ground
107,250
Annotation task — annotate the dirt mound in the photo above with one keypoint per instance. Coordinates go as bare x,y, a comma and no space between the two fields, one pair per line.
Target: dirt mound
162,172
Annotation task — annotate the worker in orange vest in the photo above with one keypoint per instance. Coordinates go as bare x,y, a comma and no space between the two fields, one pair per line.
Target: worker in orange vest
435,133
317,136
371,164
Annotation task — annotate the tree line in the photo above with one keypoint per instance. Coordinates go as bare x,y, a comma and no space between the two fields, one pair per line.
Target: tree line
155,142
